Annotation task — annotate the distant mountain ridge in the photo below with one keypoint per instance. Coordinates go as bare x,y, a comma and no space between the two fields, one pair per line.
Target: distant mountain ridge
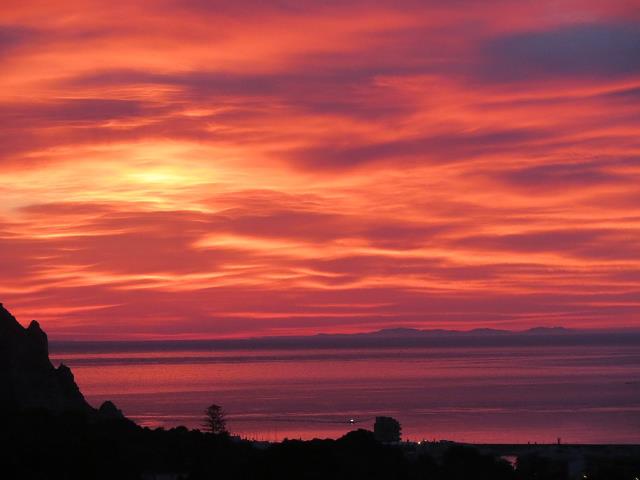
384,338
475,331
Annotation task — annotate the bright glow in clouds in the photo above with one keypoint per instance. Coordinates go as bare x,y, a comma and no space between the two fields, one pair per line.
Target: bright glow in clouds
189,169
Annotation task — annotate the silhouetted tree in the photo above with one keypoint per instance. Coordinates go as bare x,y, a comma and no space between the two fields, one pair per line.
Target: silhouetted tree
215,420
387,429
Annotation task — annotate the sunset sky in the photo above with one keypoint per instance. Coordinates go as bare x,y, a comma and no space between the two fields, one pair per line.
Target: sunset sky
196,169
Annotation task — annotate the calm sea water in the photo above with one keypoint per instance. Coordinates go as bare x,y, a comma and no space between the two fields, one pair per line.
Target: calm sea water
585,394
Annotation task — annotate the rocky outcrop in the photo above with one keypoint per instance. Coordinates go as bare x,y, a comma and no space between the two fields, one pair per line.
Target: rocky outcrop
28,379
108,410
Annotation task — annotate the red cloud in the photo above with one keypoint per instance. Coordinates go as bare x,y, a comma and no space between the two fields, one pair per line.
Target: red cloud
183,169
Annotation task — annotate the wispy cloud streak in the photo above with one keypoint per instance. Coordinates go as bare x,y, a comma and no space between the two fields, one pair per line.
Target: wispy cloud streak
180,169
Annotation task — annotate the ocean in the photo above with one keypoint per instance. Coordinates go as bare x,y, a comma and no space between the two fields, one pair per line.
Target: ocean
484,394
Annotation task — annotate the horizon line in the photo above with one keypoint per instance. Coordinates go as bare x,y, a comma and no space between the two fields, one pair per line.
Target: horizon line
485,331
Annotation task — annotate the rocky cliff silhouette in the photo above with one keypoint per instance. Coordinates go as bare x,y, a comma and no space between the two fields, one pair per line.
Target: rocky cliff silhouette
28,379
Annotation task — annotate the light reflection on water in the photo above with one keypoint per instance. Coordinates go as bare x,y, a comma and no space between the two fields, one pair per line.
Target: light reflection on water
587,394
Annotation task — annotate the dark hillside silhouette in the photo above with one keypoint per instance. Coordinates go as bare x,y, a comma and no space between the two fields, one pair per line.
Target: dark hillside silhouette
28,378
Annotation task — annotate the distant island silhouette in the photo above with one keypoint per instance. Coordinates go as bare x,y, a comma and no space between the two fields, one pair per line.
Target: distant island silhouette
384,338
51,432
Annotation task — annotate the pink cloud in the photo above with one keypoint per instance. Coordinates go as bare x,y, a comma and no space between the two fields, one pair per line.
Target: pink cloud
197,168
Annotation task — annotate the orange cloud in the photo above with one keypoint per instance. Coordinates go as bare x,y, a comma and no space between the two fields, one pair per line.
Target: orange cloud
180,169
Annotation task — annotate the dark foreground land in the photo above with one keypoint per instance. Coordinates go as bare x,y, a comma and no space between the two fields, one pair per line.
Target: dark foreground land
42,445
49,431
